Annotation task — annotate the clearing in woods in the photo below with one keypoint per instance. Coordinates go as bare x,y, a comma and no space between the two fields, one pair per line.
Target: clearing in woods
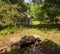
53,34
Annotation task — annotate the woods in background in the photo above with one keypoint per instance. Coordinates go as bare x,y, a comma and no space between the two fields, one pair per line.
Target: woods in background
12,11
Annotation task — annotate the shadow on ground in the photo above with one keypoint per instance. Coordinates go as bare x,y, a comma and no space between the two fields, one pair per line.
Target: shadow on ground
38,26
45,26
5,27
47,47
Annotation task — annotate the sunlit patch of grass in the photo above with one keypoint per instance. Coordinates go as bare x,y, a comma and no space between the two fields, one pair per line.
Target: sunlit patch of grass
3,32
11,30
35,22
6,31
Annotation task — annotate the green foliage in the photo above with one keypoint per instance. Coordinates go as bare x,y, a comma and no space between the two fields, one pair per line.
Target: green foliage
34,9
10,12
48,11
52,8
3,32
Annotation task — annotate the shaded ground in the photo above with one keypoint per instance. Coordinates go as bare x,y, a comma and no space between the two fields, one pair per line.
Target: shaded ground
49,47
46,47
46,26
